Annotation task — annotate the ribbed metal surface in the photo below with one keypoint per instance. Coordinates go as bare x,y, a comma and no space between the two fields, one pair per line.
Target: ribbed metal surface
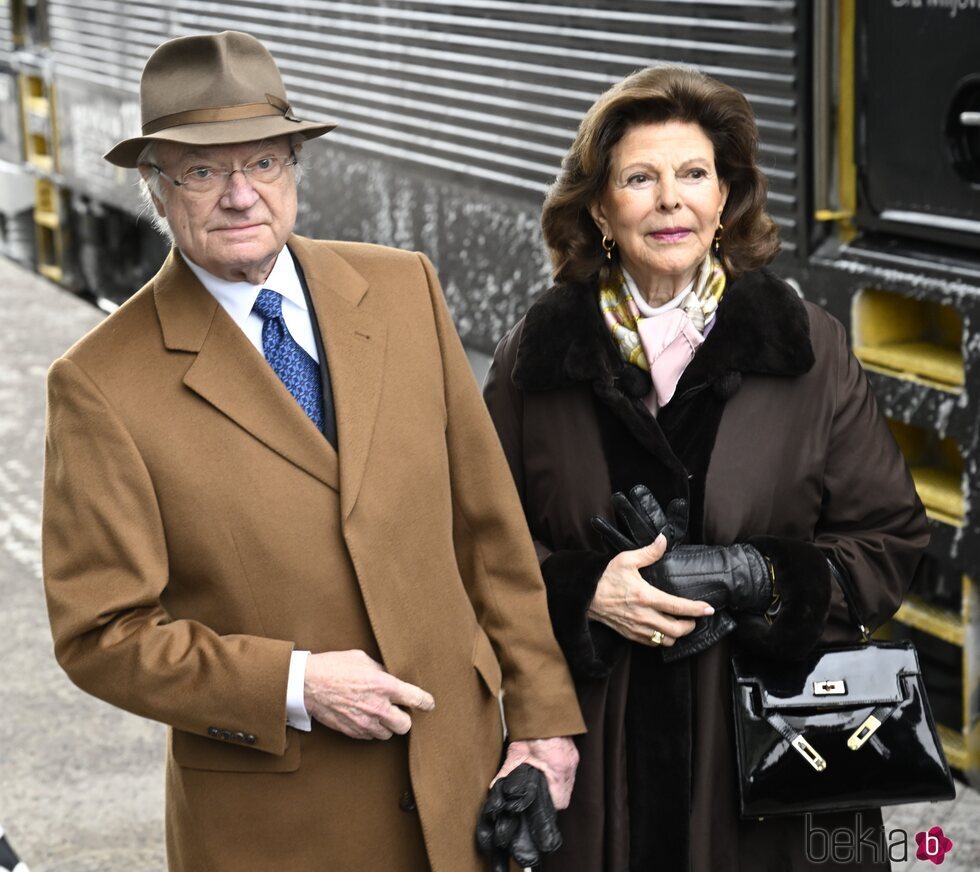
490,92
106,42
11,148
6,32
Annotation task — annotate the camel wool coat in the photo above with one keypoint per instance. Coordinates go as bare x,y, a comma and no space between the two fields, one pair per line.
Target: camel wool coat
198,527
774,438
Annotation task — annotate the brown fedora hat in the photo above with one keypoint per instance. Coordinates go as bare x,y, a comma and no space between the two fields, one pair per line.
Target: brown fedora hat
212,89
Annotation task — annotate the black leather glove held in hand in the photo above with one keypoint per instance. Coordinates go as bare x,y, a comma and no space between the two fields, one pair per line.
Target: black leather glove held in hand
726,576
641,520
518,820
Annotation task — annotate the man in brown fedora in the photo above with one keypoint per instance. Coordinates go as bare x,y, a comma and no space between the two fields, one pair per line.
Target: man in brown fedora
277,518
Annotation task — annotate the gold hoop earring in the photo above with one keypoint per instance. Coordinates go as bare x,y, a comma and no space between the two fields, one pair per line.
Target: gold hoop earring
608,244
718,237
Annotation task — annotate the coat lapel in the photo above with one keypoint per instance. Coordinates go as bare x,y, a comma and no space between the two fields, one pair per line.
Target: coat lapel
352,322
231,375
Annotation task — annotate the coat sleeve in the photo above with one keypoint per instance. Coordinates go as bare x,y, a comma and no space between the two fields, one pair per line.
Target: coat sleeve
495,554
570,576
872,525
105,569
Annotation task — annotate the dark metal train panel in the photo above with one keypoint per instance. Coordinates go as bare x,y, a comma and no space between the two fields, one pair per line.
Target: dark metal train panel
902,191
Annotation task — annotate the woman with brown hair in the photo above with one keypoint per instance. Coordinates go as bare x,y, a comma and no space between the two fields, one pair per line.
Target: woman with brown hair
666,355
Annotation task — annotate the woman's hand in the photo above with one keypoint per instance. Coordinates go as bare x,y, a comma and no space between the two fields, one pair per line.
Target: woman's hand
636,609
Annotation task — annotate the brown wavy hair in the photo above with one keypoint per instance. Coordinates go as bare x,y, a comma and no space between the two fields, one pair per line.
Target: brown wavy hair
654,95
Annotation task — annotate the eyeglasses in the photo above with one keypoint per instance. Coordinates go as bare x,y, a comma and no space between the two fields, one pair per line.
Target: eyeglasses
205,179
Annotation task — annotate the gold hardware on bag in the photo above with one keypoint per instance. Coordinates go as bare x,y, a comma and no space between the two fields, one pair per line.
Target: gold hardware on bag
837,687
809,753
863,733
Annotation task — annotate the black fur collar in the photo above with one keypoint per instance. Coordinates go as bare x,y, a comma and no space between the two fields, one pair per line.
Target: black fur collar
762,327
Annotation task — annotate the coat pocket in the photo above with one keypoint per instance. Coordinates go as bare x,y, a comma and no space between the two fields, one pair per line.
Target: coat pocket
485,662
200,752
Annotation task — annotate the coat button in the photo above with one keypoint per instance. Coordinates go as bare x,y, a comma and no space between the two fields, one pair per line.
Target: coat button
239,737
226,735
250,739
406,802
214,732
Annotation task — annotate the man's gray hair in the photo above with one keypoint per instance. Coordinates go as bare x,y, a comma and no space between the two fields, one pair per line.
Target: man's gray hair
150,188
151,185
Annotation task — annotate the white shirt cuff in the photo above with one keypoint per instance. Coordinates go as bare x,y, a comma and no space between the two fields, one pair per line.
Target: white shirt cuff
296,714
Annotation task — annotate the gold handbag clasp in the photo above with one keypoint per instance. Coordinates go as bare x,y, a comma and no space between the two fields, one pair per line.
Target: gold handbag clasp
809,753
863,733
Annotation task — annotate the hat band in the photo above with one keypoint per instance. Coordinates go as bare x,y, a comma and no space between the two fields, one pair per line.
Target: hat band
274,106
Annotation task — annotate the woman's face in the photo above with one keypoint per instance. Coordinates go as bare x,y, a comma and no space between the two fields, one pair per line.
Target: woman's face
662,204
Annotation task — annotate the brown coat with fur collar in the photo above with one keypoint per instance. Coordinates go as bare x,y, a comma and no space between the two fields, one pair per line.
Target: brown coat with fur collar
197,527
775,438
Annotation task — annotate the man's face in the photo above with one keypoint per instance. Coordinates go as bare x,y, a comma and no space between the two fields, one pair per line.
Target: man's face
236,231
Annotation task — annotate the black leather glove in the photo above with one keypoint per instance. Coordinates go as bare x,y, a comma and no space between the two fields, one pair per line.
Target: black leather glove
732,576
518,820
725,576
641,520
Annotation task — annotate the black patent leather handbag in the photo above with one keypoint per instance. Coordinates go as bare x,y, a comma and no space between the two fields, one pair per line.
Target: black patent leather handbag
847,728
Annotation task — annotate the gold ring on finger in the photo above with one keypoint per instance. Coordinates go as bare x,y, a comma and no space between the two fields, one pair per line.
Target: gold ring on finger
657,638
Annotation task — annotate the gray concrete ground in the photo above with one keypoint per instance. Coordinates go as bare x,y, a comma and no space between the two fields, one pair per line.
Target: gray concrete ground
81,784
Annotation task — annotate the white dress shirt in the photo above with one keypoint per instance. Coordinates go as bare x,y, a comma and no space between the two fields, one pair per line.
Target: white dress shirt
237,299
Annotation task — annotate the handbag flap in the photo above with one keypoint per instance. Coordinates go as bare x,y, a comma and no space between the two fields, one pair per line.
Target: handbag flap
857,675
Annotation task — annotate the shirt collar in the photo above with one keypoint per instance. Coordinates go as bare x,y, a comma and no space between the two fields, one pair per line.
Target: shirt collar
238,298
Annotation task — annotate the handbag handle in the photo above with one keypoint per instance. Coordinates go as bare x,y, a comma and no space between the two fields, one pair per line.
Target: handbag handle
846,586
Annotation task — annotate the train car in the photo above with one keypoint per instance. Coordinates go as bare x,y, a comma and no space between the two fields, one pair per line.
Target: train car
454,117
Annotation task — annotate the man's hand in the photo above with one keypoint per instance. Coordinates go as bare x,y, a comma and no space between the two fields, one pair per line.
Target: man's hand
557,758
518,820
349,692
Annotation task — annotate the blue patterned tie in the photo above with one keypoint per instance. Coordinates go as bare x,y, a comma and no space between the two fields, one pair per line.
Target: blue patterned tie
299,372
